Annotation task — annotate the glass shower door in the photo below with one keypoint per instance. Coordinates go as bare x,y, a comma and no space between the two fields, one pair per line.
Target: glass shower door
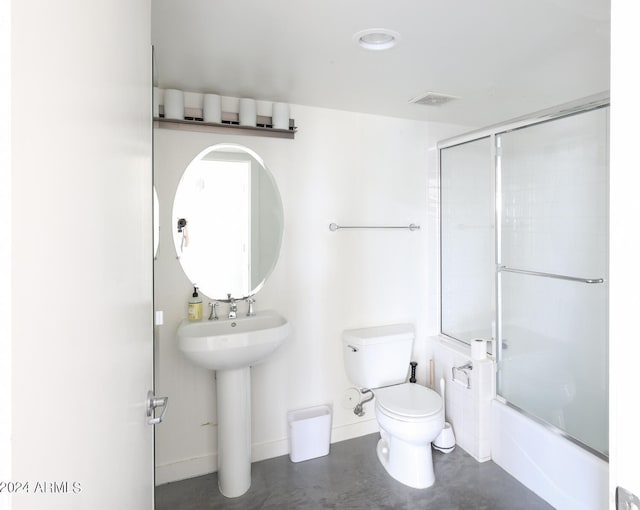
552,271
466,240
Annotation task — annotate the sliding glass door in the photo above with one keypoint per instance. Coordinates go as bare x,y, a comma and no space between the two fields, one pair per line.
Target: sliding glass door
466,240
524,263
552,272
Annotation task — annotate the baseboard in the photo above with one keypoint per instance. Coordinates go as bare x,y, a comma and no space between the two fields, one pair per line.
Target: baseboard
269,450
353,430
198,466
187,468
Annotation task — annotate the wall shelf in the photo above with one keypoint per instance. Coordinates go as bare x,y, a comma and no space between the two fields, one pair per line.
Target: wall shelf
230,124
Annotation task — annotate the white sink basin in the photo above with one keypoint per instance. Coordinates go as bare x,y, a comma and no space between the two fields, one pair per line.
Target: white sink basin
228,344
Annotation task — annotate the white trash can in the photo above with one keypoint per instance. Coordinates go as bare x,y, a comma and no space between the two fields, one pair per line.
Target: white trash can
309,433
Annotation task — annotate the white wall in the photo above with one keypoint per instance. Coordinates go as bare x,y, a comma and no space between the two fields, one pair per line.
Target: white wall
342,167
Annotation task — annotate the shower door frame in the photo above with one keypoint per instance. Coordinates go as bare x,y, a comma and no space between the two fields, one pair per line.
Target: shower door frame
583,105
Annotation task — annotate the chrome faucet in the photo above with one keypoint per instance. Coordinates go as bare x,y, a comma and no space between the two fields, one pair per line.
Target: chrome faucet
250,311
233,307
213,316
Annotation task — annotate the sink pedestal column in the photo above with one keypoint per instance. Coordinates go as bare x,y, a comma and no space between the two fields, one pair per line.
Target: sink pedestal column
233,393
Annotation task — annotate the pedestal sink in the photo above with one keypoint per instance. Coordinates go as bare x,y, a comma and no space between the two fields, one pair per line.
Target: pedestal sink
231,347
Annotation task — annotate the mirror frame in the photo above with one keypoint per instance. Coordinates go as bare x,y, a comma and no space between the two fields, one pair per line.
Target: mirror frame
236,147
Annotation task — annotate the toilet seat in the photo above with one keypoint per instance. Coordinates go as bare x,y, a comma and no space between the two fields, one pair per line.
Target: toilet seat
408,401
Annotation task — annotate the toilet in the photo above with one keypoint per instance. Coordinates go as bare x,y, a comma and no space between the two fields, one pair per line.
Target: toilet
410,416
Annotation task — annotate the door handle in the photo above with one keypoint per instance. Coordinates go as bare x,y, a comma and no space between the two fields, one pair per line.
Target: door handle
626,500
152,403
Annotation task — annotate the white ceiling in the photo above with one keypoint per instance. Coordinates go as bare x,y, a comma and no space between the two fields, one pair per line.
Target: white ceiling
503,58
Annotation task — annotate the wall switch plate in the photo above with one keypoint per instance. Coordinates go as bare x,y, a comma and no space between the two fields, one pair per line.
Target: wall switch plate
159,317
626,500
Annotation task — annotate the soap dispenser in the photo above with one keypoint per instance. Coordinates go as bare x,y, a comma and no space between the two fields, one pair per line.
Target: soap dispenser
195,306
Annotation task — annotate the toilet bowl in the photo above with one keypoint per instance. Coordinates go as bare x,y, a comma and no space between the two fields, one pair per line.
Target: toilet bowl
410,417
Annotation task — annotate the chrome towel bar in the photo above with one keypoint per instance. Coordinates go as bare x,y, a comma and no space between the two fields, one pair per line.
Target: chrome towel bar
333,227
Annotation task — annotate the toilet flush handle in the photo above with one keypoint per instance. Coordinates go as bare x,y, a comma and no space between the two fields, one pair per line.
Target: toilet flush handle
354,349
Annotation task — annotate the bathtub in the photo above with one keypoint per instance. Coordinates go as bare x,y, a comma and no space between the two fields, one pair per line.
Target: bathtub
565,475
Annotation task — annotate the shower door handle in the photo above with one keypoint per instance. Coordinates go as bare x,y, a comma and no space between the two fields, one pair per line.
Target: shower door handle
505,269
154,402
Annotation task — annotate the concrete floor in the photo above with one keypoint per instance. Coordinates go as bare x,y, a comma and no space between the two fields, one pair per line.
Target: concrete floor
352,478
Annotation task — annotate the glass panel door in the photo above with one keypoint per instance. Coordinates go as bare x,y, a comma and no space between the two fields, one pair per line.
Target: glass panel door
552,273
467,219
554,353
554,198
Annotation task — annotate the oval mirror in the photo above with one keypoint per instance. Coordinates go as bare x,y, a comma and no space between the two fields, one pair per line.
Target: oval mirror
228,222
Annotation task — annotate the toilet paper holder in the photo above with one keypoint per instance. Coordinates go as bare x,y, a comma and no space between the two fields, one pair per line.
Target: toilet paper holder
464,370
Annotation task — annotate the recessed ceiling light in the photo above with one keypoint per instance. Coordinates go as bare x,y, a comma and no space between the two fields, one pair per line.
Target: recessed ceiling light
376,38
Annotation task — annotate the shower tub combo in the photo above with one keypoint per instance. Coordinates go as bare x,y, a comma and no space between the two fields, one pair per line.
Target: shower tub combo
524,262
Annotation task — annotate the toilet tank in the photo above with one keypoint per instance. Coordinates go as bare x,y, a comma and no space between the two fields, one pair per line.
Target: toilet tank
379,356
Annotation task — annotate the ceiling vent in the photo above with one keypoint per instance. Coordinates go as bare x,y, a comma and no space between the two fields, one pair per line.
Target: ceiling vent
432,99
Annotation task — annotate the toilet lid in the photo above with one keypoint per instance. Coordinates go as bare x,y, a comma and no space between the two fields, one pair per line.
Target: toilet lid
410,400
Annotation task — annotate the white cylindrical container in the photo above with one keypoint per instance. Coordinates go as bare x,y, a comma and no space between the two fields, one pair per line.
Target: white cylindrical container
247,114
280,116
173,104
212,108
